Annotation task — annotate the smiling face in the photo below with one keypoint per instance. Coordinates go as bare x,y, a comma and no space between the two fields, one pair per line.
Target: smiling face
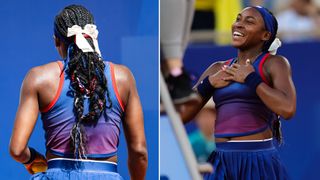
248,30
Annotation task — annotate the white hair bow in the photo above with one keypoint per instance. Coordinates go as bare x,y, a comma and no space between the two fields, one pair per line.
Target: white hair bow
274,46
80,40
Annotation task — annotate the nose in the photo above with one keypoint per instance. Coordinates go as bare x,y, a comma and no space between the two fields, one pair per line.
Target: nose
237,24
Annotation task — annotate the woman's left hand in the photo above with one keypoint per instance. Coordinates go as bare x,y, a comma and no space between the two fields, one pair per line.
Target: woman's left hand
238,72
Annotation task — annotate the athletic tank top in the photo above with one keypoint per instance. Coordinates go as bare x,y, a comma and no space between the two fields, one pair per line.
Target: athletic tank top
58,119
240,111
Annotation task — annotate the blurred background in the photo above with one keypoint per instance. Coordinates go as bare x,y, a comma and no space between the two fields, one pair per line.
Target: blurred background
128,34
299,20
209,41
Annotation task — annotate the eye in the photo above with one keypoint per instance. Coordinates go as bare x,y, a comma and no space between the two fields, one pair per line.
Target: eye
250,21
237,19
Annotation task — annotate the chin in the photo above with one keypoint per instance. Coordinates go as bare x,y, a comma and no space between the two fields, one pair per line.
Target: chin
240,44
236,44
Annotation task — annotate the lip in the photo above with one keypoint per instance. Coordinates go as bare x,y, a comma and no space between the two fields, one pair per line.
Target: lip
237,34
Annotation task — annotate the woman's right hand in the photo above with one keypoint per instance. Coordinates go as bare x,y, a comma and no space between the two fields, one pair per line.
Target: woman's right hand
217,79
39,164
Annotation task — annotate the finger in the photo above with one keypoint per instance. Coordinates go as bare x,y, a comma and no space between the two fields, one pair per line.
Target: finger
235,66
230,71
228,78
234,69
224,67
39,167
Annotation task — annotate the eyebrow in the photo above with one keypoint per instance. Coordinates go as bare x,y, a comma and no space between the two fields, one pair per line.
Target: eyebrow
251,17
247,17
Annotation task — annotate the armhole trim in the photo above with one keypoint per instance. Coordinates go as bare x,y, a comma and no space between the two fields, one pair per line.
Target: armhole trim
228,62
56,97
261,68
114,85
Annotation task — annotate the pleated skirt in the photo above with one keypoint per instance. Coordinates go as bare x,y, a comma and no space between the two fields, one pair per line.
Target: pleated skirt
71,169
246,161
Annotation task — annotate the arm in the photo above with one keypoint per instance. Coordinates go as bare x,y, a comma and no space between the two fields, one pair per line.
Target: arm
26,118
133,124
189,110
25,121
281,97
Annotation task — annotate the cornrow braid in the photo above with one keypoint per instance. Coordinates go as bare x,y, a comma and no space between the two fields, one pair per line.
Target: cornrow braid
86,73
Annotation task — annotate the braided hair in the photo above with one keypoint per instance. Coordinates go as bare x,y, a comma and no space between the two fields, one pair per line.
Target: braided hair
271,25
276,124
276,130
86,73
268,43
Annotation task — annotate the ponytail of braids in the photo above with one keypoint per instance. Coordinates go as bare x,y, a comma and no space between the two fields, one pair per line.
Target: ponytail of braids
86,73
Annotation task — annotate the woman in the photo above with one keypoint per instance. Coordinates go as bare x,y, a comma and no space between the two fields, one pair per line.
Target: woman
249,91
82,101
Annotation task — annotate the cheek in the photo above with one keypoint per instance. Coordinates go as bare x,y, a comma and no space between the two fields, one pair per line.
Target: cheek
255,34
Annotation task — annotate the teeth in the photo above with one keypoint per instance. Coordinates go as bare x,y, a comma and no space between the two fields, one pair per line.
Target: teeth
236,33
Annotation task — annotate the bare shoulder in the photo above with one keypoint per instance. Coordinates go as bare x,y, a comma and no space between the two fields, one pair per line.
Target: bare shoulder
41,75
277,63
278,59
49,68
122,74
125,82
216,66
213,68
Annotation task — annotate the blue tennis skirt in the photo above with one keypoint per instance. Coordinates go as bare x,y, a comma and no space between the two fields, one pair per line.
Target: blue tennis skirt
246,160
63,168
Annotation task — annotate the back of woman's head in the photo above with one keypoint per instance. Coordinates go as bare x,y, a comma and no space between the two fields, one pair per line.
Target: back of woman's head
69,16
85,71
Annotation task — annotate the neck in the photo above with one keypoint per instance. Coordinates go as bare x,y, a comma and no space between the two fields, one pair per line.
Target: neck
62,50
250,54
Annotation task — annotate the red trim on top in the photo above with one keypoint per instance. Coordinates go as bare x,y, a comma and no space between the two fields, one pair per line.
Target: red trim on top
261,68
115,86
228,62
55,99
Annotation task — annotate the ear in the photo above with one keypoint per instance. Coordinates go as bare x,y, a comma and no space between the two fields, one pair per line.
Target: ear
57,41
266,36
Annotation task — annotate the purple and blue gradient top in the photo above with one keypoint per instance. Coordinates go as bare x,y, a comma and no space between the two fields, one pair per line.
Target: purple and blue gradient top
102,137
240,111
